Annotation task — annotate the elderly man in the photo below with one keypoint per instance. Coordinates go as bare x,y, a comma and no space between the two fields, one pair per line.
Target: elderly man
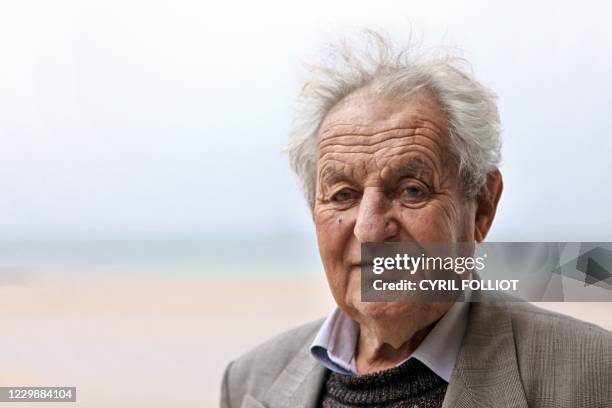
397,147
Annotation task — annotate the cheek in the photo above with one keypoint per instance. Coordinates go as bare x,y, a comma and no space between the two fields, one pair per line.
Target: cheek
333,232
334,236
437,221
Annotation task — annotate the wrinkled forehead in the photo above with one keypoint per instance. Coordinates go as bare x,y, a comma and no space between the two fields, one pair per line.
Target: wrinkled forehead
367,108
371,132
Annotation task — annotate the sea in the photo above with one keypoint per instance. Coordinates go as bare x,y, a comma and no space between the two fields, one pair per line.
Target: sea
200,256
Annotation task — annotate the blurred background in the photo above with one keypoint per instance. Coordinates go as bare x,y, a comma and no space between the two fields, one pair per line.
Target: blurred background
150,227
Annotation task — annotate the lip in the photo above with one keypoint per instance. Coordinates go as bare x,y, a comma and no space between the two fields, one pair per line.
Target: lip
362,265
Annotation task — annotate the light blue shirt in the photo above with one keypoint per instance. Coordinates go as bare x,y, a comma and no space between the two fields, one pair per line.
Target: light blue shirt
334,346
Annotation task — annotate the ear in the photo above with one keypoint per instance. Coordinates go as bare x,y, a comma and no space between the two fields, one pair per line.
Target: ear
486,204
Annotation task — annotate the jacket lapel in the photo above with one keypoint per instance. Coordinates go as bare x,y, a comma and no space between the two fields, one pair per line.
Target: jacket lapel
299,385
486,371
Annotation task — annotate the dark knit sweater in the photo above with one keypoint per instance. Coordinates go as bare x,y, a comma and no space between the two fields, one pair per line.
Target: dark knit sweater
409,385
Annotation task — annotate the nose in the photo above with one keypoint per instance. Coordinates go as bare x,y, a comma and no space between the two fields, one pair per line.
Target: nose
375,222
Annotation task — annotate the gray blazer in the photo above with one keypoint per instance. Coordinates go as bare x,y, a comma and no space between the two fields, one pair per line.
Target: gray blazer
513,355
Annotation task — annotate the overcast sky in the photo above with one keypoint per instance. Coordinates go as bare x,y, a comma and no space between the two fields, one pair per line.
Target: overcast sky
168,118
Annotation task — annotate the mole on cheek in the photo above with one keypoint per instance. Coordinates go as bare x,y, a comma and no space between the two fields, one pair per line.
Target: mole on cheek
340,220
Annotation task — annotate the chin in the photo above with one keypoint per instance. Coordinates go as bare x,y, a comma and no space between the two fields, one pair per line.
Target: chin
418,311
391,310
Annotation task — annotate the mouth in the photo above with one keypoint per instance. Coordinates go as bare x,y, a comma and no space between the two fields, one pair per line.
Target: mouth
365,264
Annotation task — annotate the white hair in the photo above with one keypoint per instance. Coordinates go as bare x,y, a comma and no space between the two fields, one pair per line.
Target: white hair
471,109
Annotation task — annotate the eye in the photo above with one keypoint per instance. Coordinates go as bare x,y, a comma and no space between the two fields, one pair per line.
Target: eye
344,195
414,192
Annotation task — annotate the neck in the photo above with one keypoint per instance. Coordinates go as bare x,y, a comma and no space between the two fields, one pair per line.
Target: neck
381,345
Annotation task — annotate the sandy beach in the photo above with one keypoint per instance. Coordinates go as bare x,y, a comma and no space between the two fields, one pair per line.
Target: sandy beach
156,341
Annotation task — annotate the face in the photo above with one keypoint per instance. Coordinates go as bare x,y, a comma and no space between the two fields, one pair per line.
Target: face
384,174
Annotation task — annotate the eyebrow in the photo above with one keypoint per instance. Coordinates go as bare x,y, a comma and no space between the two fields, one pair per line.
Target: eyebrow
411,167
333,176
414,166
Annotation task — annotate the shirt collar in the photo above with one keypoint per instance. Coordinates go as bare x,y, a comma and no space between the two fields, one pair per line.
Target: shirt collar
334,345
